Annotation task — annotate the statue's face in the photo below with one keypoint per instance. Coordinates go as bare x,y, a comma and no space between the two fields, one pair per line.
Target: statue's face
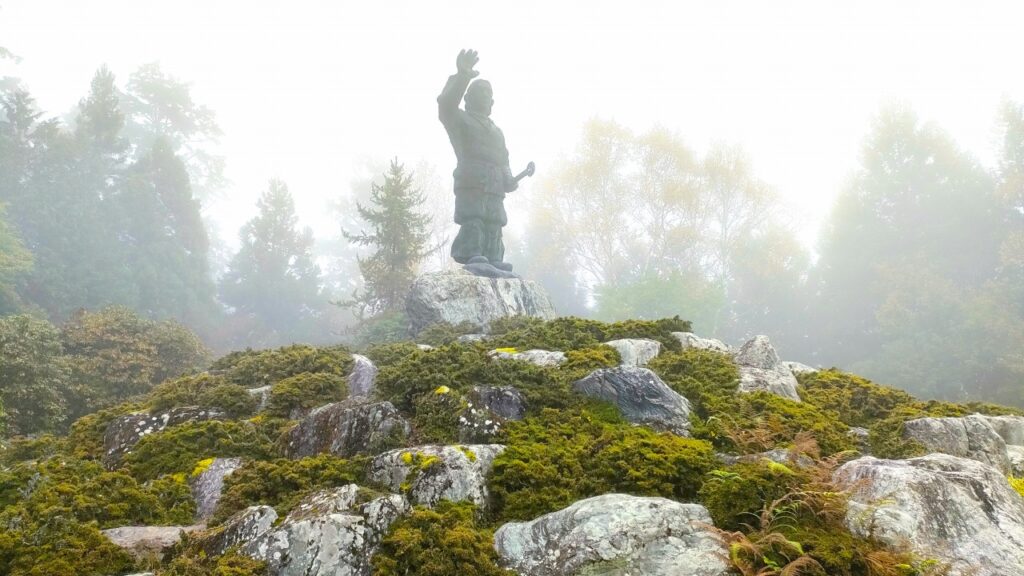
480,97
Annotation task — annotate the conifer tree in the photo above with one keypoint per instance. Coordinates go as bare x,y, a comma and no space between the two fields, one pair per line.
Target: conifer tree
399,233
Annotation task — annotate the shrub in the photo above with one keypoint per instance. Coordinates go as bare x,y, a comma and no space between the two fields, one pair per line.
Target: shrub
301,393
755,421
85,440
389,354
35,376
203,390
59,546
230,564
282,483
443,333
438,542
436,419
559,457
253,369
858,401
570,333
701,376
177,449
736,495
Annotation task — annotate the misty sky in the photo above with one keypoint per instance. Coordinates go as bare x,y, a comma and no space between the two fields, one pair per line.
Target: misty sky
307,91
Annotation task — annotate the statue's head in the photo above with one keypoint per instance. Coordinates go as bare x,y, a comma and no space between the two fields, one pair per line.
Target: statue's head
479,97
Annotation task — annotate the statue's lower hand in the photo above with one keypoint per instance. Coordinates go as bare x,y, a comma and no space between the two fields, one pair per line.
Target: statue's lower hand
465,62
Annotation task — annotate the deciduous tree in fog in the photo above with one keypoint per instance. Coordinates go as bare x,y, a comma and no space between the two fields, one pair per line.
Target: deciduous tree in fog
399,235
273,280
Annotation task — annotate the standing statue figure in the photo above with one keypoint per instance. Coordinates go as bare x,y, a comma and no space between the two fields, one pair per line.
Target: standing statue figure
482,176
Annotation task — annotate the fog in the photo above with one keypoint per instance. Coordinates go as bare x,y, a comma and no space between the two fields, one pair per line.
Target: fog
321,95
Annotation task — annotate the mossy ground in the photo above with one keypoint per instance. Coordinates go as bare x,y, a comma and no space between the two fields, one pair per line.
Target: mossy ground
55,496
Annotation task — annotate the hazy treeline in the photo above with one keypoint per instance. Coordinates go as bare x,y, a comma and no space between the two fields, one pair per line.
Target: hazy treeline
918,278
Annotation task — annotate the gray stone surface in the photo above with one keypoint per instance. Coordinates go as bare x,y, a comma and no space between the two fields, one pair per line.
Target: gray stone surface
207,486
538,357
487,410
616,535
953,509
641,397
456,296
797,368
635,351
435,473
691,340
124,432
346,429
362,377
331,533
1016,456
148,542
262,396
862,436
971,437
242,528
761,370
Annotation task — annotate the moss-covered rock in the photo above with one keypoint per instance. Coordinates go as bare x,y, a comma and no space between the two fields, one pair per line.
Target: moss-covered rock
253,369
203,390
295,396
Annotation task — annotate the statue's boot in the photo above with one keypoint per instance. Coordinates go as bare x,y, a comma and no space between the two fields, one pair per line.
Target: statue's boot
477,260
502,266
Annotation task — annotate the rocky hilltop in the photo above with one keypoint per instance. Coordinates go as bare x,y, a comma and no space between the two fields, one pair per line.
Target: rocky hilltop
541,447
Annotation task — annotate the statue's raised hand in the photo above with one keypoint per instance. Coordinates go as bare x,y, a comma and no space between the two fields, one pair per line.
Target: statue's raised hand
465,62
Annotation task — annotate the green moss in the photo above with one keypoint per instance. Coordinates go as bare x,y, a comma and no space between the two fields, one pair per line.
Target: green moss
701,376
179,448
58,546
736,495
230,564
443,333
436,417
303,392
389,354
562,456
203,390
886,436
574,333
282,483
86,437
439,542
857,401
253,369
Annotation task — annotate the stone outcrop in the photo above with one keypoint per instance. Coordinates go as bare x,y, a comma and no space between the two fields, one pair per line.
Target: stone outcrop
346,429
635,351
362,377
330,533
978,437
538,357
956,510
124,432
641,396
761,370
487,410
148,542
242,528
261,395
435,473
208,485
615,535
797,368
690,340
457,296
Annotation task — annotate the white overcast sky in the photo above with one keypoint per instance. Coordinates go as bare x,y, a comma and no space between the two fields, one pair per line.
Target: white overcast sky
307,90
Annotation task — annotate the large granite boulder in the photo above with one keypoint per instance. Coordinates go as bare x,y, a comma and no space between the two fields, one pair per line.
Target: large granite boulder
798,368
761,370
538,357
641,396
956,510
347,428
487,410
457,296
242,528
691,340
971,437
434,473
207,485
330,533
616,535
124,433
148,542
635,351
362,377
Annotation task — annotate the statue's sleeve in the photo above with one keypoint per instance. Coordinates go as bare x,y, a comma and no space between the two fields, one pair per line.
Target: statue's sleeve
450,98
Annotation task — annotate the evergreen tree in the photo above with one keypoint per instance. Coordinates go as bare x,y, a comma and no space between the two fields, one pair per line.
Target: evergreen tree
400,235
273,280
34,374
15,261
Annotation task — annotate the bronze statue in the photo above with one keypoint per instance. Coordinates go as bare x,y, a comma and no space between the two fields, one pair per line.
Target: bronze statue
482,176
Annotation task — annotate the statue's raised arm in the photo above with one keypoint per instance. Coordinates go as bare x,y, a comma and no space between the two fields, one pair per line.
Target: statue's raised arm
451,96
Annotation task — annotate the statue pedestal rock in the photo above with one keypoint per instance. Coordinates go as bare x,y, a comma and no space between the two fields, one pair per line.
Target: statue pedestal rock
458,296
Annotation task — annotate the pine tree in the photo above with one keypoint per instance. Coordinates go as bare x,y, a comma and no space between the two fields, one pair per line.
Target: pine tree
400,234
273,279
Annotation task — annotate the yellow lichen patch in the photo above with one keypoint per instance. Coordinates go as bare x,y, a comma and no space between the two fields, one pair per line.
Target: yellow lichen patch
407,457
469,453
1017,484
201,467
442,390
507,350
